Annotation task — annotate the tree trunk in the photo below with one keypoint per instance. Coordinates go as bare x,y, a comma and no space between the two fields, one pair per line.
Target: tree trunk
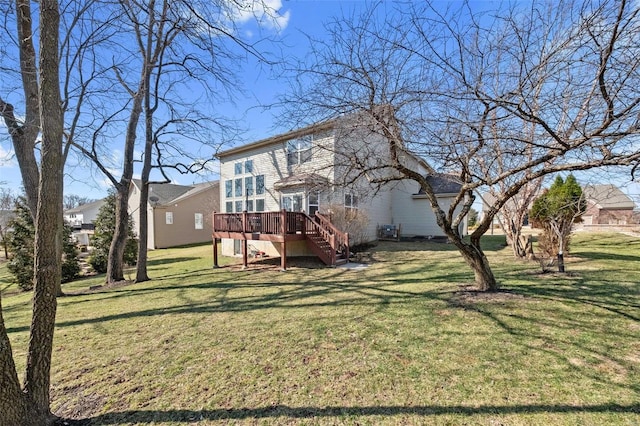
24,135
513,234
23,140
560,253
48,240
143,230
115,262
476,259
12,402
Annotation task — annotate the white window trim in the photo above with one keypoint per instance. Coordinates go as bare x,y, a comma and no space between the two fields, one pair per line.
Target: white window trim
198,221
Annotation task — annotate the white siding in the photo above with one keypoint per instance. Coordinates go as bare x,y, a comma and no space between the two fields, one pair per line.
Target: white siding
271,161
394,203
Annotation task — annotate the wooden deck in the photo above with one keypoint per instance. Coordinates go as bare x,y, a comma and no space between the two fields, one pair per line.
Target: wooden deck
324,239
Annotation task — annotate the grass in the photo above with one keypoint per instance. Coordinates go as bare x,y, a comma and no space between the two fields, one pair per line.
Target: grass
402,342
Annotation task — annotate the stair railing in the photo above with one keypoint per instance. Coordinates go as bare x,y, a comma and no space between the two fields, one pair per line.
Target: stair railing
317,235
341,239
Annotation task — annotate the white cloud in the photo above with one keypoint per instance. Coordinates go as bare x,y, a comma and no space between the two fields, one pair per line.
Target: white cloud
264,12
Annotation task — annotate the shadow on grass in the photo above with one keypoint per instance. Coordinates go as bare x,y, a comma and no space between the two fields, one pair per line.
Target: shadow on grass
290,296
170,260
284,411
598,255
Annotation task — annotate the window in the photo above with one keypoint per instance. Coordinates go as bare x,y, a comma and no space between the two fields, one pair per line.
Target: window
299,150
260,184
248,185
199,221
240,190
292,203
260,205
314,203
350,201
228,188
168,218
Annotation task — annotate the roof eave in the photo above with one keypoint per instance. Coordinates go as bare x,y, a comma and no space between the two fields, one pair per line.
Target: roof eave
278,138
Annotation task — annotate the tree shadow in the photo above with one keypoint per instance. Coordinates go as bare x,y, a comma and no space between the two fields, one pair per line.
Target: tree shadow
601,255
284,412
296,295
168,260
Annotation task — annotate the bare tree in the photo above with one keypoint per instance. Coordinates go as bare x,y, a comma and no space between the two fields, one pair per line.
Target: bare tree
24,132
165,27
71,201
513,214
180,45
459,88
29,405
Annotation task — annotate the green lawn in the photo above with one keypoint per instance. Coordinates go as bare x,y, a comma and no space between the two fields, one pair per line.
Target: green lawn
403,342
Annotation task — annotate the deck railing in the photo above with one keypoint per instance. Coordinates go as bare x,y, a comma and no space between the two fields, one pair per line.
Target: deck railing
281,222
341,239
327,240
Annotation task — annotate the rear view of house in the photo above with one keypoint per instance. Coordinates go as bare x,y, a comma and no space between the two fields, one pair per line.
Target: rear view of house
308,171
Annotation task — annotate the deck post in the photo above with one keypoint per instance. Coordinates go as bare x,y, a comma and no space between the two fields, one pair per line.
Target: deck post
244,241
215,253
283,245
215,240
332,242
346,238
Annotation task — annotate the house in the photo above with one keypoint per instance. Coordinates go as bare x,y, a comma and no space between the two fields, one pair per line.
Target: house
82,219
83,216
177,214
306,173
607,205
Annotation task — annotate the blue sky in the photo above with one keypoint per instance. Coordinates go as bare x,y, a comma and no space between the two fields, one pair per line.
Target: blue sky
288,25
288,20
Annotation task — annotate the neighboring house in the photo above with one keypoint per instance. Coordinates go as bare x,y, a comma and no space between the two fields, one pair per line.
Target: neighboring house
303,171
607,205
82,219
84,215
177,214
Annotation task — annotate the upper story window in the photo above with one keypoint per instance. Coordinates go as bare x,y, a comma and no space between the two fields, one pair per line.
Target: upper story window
299,150
245,167
260,184
248,185
228,188
238,187
350,201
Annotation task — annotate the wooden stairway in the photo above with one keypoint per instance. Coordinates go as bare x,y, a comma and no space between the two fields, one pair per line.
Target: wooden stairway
326,241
